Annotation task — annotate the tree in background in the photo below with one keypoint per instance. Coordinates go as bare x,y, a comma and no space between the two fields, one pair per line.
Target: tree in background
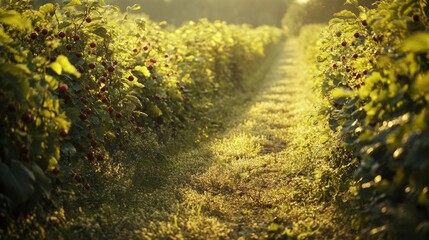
316,11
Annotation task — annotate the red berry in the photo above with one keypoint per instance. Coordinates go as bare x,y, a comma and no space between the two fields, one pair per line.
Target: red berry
356,35
334,66
110,109
25,150
139,129
44,31
145,48
135,50
89,135
88,19
62,34
69,47
37,29
355,55
78,178
344,44
83,116
111,69
91,65
12,107
63,89
63,133
131,78
93,45
79,54
76,38
88,110
90,155
26,117
34,35
152,60
55,170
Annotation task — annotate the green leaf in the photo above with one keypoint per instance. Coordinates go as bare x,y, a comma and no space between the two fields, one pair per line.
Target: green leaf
47,8
418,42
342,92
71,3
143,70
102,32
68,149
63,64
346,14
14,18
4,37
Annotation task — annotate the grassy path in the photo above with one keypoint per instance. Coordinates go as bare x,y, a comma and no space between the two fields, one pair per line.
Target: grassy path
266,176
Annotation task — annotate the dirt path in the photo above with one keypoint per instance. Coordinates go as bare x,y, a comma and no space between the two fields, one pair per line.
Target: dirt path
267,176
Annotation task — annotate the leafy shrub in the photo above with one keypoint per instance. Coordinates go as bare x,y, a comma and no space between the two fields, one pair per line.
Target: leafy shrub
373,68
83,84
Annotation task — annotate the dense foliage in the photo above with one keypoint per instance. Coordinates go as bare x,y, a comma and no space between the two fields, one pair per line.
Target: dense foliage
177,12
373,67
83,81
315,12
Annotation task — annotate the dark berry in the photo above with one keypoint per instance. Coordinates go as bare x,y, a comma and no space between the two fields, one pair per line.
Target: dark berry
110,109
111,69
91,65
131,78
69,47
88,19
37,29
78,178
79,54
34,35
12,107
76,38
93,45
356,35
416,18
62,34
55,170
364,22
63,89
44,31
83,116
63,133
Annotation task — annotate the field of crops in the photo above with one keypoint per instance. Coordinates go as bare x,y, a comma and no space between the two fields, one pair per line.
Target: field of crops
98,106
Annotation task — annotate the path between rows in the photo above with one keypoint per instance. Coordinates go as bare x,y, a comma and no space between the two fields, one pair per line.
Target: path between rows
261,178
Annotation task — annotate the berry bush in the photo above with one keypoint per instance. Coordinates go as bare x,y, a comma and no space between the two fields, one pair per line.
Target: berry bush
373,69
81,81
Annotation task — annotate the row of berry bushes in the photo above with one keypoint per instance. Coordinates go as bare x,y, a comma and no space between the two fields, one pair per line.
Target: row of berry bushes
373,68
82,81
